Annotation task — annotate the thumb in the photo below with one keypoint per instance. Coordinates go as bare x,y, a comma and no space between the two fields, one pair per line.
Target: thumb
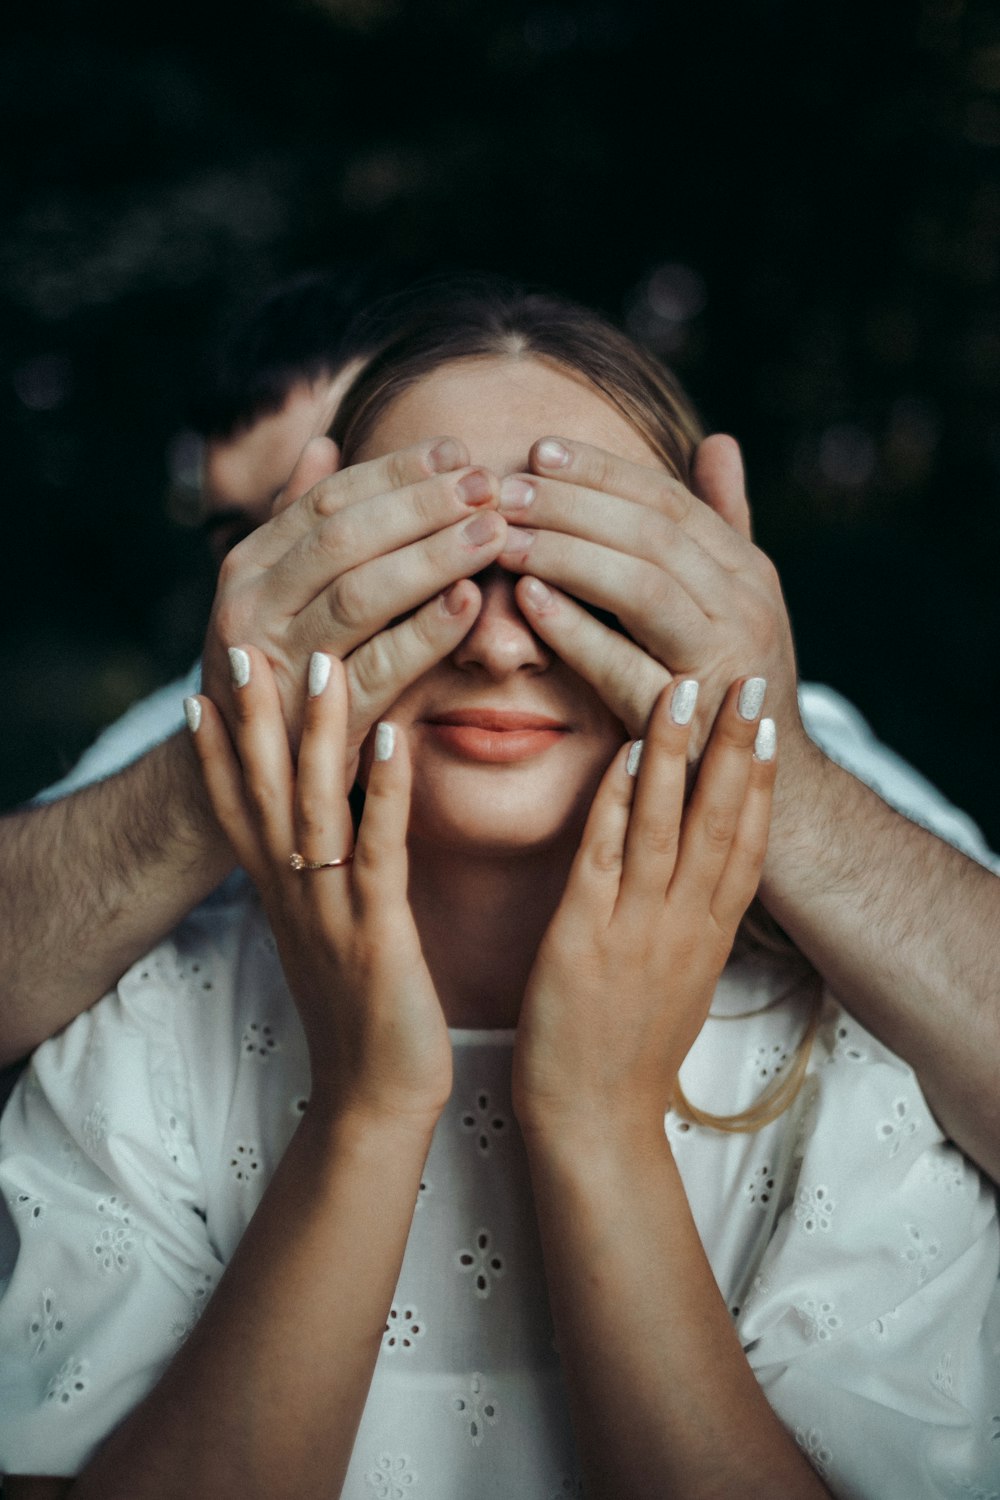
720,482
318,460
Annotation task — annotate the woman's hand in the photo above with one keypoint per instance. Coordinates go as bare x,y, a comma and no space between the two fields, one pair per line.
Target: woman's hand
378,1041
626,971
346,554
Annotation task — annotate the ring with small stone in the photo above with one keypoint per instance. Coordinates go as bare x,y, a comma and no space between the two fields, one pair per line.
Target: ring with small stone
297,862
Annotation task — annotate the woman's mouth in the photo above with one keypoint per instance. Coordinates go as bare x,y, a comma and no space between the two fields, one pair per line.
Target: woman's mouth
494,735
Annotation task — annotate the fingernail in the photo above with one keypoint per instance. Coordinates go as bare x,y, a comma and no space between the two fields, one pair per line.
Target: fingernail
751,699
239,666
475,488
517,539
538,596
451,600
385,740
319,673
551,454
516,494
446,455
766,740
192,712
480,529
634,757
683,700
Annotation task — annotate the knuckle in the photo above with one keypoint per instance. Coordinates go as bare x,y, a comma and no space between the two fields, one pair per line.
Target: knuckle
336,537
718,828
658,837
346,600
230,569
370,668
606,856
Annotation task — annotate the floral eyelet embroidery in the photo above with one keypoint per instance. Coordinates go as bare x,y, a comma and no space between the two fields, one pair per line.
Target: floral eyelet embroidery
880,1329
920,1254
820,1319
845,1050
483,1262
114,1249
244,1162
258,1041
32,1207
391,1478
815,1450
69,1382
423,1191
485,1122
814,1209
475,1408
402,1330
47,1324
893,1132
767,1062
760,1188
95,1128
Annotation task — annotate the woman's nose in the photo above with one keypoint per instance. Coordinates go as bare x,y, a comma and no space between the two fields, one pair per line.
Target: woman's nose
501,642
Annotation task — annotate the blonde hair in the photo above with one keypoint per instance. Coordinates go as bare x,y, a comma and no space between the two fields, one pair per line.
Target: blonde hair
441,322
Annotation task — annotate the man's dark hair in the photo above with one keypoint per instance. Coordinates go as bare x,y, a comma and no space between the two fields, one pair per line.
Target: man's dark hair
303,330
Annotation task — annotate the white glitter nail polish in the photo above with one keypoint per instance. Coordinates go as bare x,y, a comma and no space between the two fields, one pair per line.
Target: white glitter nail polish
319,673
239,666
192,713
766,741
385,741
683,701
751,699
634,757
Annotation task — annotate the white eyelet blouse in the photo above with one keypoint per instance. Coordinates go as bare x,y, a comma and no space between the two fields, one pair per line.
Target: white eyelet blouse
857,1250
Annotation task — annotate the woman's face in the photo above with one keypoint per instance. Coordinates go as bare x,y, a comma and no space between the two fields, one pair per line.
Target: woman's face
507,743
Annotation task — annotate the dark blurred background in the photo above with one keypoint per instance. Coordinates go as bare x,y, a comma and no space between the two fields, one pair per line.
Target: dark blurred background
797,204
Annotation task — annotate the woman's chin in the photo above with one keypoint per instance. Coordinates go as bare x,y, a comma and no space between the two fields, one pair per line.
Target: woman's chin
493,825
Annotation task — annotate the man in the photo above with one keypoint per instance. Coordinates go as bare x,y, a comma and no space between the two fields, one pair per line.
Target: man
900,924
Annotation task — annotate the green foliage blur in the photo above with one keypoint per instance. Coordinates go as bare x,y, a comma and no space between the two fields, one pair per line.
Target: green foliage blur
798,205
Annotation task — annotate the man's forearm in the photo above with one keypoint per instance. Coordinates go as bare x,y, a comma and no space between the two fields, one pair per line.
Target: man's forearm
90,883
904,929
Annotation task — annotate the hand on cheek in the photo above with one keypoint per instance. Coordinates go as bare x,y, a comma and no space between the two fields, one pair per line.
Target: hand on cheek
626,971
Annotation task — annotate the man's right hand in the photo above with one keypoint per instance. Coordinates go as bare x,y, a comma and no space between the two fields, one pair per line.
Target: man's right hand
372,562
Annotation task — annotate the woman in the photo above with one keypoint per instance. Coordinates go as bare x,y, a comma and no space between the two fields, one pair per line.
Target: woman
488,1003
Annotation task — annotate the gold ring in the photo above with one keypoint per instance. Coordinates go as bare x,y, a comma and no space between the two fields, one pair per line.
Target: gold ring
298,863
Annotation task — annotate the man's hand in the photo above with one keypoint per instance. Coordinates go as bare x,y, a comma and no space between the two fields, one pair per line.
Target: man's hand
686,583
372,562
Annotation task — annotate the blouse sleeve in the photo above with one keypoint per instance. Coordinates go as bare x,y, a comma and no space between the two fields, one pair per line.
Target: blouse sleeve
106,1259
873,1323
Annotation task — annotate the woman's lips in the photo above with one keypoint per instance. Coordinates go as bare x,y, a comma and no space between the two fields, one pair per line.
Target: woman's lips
495,735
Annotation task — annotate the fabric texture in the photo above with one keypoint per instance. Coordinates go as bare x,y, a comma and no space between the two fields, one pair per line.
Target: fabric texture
857,1250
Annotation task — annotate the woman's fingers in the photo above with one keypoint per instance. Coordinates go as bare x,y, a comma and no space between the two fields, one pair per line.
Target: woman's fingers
380,859
260,740
654,828
595,877
322,817
622,674
717,802
223,777
741,875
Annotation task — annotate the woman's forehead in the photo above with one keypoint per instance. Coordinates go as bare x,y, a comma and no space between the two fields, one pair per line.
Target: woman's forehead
499,406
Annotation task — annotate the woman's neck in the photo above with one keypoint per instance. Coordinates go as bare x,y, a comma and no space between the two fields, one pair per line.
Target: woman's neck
481,919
